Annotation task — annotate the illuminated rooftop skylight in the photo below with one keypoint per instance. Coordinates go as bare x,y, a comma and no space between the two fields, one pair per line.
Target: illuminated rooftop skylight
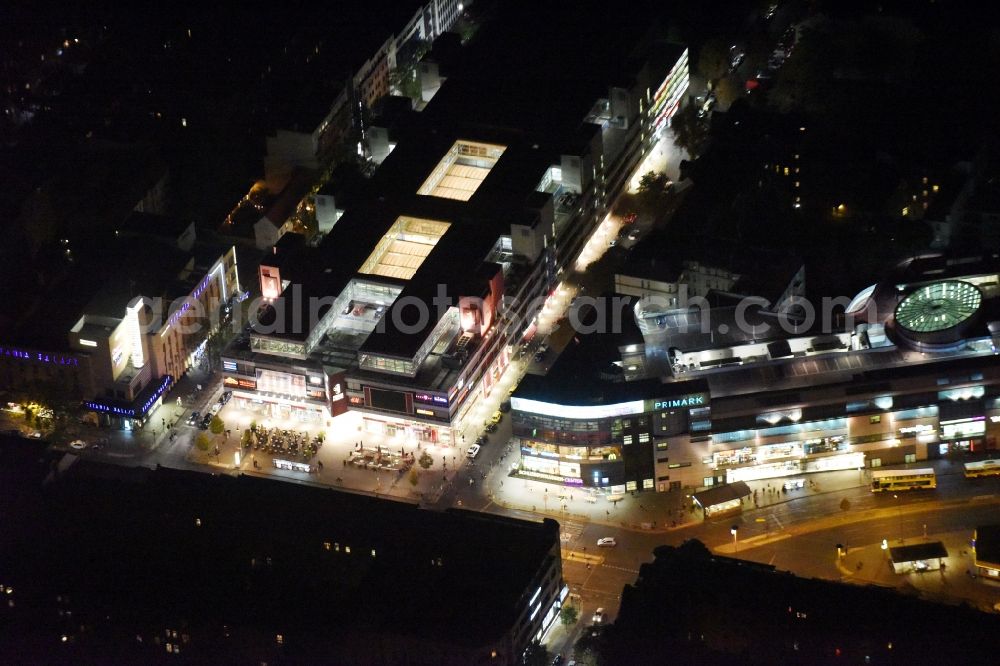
462,170
404,247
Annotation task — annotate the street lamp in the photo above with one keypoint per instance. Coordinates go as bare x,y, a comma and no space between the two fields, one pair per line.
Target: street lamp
899,507
734,530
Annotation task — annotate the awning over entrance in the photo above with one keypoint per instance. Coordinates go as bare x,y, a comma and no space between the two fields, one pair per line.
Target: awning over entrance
722,498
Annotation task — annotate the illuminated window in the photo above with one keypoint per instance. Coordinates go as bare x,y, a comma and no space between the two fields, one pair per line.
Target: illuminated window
787,170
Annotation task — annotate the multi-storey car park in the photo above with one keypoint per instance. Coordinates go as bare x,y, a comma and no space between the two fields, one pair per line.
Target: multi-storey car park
418,296
911,373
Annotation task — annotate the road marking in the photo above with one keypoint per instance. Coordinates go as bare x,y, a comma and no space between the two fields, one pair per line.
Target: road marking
982,498
780,526
573,528
580,556
625,569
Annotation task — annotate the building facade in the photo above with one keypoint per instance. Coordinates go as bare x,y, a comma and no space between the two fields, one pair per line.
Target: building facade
911,373
426,286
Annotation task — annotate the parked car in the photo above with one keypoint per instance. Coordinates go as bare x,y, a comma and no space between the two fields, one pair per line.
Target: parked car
505,406
490,426
482,440
473,451
607,542
205,421
497,417
193,419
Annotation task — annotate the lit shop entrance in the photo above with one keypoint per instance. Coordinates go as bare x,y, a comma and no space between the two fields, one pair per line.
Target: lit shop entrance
408,430
270,408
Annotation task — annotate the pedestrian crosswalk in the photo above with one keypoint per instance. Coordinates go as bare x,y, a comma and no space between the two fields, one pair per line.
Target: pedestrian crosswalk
571,529
589,559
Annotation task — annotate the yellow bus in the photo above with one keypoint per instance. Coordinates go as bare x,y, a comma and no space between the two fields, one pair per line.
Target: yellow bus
903,479
982,468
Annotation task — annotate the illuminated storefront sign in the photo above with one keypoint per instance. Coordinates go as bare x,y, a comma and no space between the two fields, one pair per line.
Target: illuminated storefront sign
54,359
337,392
426,397
577,411
247,384
424,412
230,381
165,383
692,400
229,366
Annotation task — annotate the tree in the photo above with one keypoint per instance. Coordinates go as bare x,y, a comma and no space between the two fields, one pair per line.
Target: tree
569,615
653,186
425,460
713,59
727,91
202,441
845,504
535,655
414,476
589,650
217,426
690,130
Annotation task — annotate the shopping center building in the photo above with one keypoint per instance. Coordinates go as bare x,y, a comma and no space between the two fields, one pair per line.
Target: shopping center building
911,373
417,298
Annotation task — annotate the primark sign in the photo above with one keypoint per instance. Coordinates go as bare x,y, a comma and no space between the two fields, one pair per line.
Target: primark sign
681,402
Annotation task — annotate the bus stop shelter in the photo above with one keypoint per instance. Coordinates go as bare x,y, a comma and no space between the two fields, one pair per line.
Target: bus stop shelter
918,557
723,500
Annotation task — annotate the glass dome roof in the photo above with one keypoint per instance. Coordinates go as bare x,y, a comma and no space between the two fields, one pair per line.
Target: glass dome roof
938,306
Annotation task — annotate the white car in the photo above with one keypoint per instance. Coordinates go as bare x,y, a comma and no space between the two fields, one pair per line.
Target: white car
607,542
598,616
473,451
